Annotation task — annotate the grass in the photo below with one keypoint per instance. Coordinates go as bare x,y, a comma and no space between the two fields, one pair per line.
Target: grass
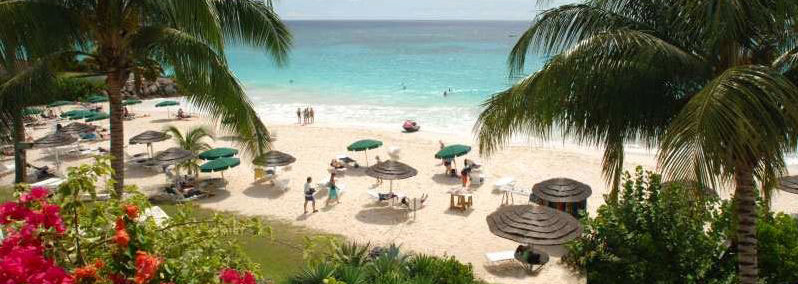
279,256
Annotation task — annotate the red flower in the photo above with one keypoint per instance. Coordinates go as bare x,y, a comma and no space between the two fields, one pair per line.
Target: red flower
89,271
132,211
36,194
118,279
146,266
121,238
232,276
12,211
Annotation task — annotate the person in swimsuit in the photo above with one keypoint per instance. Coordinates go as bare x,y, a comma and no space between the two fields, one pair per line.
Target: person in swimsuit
333,194
309,191
299,116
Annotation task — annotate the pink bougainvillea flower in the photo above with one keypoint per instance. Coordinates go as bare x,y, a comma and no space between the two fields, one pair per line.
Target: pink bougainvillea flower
229,276
36,194
13,211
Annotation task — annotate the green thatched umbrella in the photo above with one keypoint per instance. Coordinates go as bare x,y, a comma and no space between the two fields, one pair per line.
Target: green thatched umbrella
97,99
220,165
217,153
364,145
59,103
31,111
81,114
97,116
131,102
167,104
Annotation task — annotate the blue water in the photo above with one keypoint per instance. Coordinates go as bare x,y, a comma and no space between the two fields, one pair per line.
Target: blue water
392,70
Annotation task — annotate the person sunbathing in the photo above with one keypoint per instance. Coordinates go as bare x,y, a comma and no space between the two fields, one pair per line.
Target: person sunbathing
336,164
182,115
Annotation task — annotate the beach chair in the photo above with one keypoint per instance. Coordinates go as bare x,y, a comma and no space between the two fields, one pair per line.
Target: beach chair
500,256
51,183
261,175
157,214
380,197
6,169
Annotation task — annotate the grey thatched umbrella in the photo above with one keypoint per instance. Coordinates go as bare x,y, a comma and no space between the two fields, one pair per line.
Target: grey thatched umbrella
273,159
533,224
149,137
173,156
55,140
391,170
789,184
76,128
563,190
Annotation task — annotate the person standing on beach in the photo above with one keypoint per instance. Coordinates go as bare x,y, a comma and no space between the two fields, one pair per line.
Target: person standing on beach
312,116
309,191
299,116
334,190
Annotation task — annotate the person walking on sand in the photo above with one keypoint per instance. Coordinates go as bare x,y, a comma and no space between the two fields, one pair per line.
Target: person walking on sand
312,116
299,116
334,190
379,180
306,115
309,191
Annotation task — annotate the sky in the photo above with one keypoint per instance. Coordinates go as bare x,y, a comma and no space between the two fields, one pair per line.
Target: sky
524,10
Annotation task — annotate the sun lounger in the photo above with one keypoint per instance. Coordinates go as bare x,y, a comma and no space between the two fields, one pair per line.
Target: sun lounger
504,182
51,183
282,183
7,169
380,197
500,256
156,213
349,162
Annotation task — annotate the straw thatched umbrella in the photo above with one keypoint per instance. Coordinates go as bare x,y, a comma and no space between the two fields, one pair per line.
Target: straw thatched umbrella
76,128
391,170
173,156
55,140
561,193
533,224
789,184
273,159
149,137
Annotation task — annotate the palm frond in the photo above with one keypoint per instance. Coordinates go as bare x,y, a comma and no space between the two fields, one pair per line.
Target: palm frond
746,116
558,29
256,24
206,80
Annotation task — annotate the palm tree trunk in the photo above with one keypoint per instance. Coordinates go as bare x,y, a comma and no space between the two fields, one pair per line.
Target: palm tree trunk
115,83
745,198
20,157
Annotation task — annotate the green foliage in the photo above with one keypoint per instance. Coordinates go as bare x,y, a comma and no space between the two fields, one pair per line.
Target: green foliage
193,140
354,263
667,234
77,89
778,247
193,250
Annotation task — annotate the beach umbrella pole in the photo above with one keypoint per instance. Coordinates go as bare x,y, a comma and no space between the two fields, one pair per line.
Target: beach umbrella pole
367,157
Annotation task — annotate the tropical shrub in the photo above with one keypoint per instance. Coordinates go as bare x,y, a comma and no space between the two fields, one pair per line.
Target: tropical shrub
666,234
77,89
67,237
354,263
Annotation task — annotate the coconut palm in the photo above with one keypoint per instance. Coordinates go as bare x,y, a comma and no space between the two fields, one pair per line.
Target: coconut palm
712,83
194,141
186,37
28,51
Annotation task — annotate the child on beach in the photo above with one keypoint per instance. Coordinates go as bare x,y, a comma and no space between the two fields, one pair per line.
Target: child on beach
309,191
379,180
333,195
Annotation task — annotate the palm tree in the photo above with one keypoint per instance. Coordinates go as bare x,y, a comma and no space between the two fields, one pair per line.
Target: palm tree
186,37
193,141
707,81
28,52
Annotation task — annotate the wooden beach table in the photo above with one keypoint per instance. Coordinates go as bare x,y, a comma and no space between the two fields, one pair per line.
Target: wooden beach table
460,199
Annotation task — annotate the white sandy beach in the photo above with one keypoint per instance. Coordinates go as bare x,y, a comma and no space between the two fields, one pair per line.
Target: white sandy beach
435,230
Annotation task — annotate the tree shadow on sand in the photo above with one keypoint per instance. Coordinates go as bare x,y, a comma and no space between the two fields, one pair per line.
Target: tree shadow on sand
382,216
445,179
164,120
264,190
218,195
512,269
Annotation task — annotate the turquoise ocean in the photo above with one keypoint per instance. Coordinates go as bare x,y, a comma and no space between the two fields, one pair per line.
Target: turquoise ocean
376,74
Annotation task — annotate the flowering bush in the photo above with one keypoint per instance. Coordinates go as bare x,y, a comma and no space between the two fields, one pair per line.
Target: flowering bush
61,238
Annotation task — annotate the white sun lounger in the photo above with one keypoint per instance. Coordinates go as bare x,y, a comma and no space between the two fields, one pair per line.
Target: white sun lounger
500,256
49,183
157,214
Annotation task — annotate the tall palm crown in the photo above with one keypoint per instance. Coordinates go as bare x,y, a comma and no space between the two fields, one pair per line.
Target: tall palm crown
712,83
186,37
194,141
